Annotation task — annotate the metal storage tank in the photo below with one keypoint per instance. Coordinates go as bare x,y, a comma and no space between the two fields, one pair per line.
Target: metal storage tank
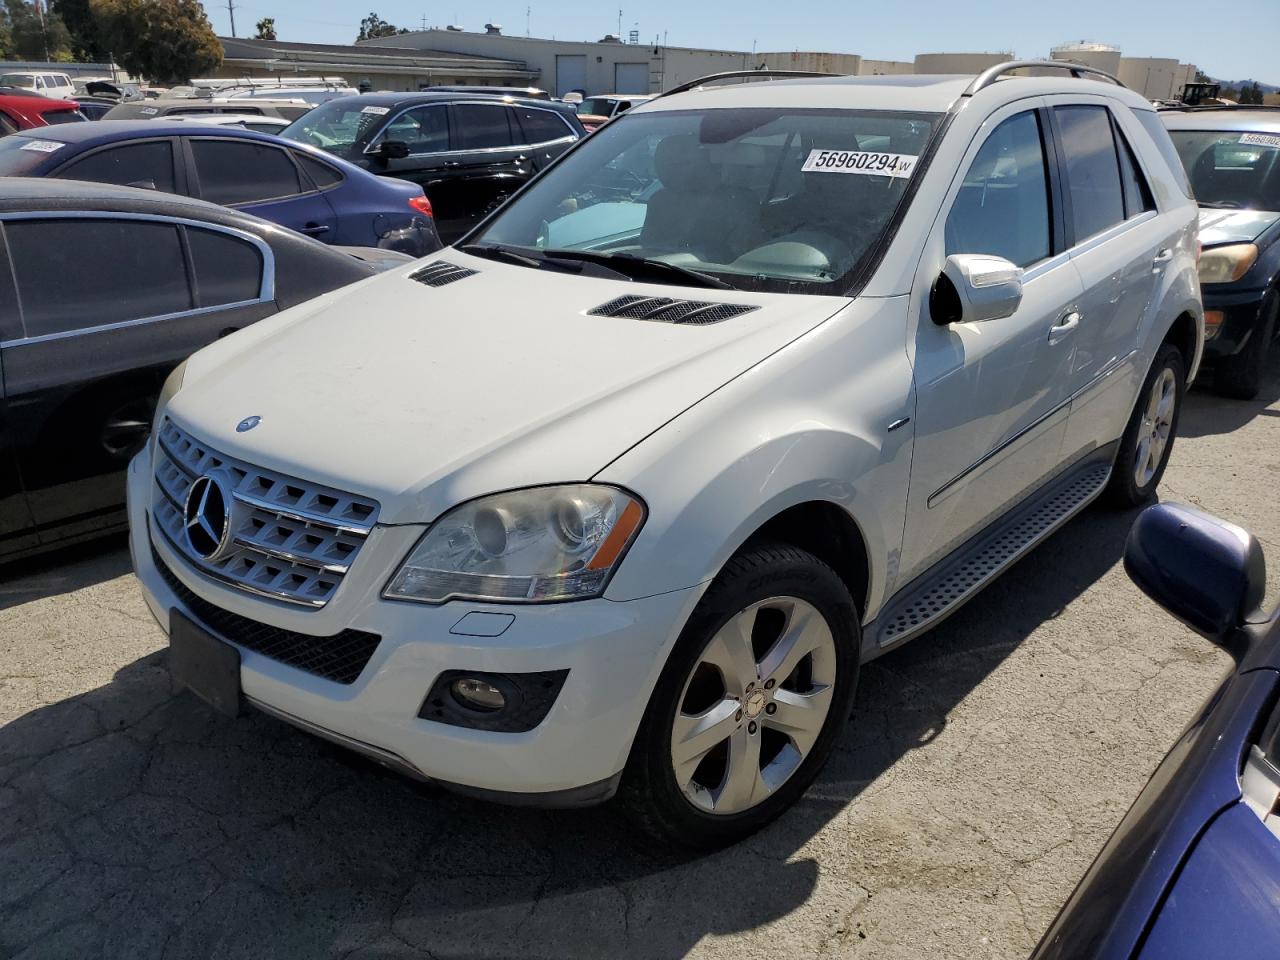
963,63
1101,56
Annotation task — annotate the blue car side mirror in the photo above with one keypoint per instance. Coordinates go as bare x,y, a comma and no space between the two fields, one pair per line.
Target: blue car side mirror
1208,573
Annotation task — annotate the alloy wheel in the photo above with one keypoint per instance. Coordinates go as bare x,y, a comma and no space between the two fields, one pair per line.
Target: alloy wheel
1156,426
754,705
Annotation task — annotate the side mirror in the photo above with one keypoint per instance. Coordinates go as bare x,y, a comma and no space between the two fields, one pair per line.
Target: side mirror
393,150
973,287
1208,573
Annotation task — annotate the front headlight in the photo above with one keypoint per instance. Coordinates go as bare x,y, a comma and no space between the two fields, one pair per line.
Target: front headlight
526,546
1227,264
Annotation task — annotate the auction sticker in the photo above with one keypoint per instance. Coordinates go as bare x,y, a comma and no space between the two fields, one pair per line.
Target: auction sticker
149,111
866,162
1261,139
43,146
376,111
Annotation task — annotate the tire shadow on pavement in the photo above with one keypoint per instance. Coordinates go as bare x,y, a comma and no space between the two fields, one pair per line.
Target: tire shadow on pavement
1207,414
134,823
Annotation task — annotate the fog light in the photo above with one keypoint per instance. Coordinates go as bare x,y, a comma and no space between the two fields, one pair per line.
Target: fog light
1212,323
477,694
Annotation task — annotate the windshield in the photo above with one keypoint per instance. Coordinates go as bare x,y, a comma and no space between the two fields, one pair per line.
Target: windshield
780,200
21,156
18,80
341,127
1232,169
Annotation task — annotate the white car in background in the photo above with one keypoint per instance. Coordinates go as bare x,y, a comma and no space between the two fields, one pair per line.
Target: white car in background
246,120
544,520
46,83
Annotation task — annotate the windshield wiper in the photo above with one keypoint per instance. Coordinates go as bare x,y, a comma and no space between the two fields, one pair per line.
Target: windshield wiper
637,267
1219,204
495,251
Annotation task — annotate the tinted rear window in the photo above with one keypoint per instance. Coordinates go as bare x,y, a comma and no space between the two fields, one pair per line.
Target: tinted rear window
228,269
233,171
480,126
540,126
62,116
1093,171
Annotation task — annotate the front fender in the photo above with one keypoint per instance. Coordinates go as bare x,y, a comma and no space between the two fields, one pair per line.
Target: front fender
808,424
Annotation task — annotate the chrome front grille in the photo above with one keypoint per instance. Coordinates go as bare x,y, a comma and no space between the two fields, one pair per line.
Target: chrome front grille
289,539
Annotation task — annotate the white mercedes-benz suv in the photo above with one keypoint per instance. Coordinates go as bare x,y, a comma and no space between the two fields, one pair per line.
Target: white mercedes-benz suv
755,384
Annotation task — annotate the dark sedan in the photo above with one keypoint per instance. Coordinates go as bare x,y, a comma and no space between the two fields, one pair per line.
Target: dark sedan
1193,870
468,151
103,291
1232,157
297,187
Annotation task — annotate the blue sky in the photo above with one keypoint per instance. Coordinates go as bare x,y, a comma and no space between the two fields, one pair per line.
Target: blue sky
1241,41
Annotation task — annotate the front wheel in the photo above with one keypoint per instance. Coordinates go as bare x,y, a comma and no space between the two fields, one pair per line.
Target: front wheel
1240,377
750,702
1148,439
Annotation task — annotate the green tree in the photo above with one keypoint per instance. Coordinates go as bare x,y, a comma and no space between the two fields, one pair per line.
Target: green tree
32,37
374,26
161,40
86,40
266,29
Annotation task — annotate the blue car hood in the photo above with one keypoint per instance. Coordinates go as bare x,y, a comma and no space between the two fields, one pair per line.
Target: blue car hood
1233,226
1226,901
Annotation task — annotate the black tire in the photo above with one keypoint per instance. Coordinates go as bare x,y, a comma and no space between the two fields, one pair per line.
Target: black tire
1124,490
649,793
1240,377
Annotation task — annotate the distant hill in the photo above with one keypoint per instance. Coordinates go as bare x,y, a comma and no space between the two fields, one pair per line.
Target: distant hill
1235,84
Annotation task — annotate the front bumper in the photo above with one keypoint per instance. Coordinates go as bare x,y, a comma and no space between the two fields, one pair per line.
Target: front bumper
1241,314
613,653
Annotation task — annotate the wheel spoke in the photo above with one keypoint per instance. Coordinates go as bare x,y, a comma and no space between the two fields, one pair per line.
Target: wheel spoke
800,715
730,652
801,636
743,786
1164,409
694,735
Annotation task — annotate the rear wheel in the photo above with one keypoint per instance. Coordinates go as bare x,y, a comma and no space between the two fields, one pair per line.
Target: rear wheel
1240,376
750,703
1148,439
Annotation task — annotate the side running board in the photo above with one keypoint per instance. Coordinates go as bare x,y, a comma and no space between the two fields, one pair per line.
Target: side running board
936,595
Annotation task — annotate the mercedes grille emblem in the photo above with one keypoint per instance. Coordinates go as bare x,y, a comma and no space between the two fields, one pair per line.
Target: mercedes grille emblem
247,424
207,517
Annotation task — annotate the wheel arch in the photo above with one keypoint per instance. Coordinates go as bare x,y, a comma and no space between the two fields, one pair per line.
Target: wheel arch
1184,334
831,534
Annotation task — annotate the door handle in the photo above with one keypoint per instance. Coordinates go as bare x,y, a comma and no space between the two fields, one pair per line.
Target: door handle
314,229
450,164
1063,328
1164,256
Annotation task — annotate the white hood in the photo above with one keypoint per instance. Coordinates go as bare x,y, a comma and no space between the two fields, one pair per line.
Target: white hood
424,397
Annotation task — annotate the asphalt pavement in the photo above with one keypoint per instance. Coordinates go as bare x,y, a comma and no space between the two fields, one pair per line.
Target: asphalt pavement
984,767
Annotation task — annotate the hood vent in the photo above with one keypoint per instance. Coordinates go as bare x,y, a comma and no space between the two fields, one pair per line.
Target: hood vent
439,272
666,310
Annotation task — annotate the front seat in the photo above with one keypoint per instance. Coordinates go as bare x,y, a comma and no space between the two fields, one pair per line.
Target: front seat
689,213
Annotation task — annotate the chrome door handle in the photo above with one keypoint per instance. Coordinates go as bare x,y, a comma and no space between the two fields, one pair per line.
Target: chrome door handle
1061,329
1164,256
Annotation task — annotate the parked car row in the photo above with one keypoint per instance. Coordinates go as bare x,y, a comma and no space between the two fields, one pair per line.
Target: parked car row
295,186
104,291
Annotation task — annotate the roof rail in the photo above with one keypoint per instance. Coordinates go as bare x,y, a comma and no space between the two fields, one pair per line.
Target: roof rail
729,74
989,76
1207,107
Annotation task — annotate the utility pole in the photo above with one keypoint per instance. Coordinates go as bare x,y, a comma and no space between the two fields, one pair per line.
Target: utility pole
528,13
44,33
231,12
619,24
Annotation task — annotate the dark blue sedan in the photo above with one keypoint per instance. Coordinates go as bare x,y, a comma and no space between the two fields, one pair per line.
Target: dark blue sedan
1193,870
287,183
